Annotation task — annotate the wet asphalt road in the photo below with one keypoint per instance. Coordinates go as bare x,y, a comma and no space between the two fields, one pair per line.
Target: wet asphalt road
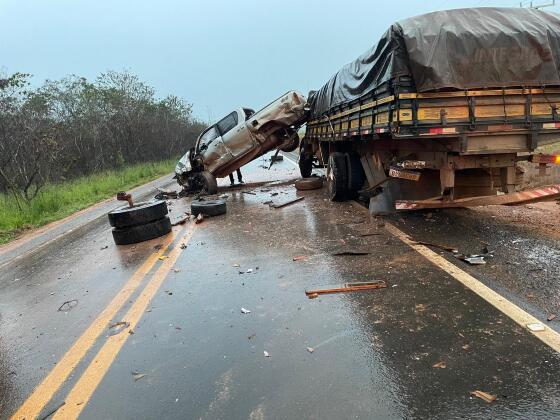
373,351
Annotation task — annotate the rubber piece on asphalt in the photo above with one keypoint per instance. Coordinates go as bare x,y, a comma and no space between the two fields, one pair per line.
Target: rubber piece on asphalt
313,183
337,177
356,174
208,207
140,214
140,233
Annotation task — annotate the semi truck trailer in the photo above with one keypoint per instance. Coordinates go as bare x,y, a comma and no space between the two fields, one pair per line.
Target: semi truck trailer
440,111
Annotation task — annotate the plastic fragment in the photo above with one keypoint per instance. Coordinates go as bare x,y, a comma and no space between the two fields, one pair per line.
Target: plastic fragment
245,311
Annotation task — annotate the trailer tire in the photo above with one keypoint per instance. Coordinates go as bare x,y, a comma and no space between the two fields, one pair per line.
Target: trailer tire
208,207
311,183
337,177
140,233
140,214
356,174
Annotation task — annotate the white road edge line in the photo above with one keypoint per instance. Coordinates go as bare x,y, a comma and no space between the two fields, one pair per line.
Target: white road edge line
547,335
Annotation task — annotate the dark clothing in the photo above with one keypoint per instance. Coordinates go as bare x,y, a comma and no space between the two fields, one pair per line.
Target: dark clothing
239,177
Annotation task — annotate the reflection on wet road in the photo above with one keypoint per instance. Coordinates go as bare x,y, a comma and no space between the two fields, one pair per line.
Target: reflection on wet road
194,354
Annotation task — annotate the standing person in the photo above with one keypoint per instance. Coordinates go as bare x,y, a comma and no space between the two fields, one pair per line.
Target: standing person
239,177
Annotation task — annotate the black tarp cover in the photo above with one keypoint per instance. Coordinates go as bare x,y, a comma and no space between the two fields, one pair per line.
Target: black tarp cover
455,49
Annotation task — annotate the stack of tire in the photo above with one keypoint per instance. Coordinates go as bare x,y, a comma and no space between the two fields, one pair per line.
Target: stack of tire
141,222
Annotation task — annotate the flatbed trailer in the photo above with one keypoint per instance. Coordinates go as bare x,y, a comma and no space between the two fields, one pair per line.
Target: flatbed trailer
448,144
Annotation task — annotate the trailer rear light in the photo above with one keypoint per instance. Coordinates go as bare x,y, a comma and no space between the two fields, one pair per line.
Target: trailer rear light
551,126
442,130
543,159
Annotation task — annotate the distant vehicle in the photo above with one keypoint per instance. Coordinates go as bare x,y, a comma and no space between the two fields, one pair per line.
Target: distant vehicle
240,137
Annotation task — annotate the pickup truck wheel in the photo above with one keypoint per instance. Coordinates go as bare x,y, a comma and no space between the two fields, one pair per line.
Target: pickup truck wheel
141,213
356,174
209,182
337,177
208,207
140,233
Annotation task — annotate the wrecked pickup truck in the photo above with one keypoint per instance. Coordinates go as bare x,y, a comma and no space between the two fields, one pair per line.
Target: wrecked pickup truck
440,112
240,137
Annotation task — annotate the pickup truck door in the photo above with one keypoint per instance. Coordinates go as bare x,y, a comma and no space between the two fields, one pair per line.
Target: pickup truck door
236,137
210,147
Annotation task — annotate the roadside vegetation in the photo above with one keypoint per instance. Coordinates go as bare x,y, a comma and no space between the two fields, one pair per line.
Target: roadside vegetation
56,201
69,143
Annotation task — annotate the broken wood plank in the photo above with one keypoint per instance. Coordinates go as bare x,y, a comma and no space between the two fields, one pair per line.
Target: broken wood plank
349,287
340,253
286,203
440,246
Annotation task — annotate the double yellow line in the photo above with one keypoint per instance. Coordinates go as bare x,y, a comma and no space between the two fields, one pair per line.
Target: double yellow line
94,373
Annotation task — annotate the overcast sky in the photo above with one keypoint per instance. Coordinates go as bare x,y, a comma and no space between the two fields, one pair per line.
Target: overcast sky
215,54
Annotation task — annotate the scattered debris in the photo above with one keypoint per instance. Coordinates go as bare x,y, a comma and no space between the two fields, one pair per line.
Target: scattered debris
310,349
245,311
439,365
474,259
551,317
199,218
118,327
249,192
369,233
299,258
181,221
223,196
484,396
137,375
68,305
466,347
351,253
104,247
162,257
440,246
183,246
236,265
250,270
165,194
252,336
268,202
536,327
266,354
158,247
348,287
286,203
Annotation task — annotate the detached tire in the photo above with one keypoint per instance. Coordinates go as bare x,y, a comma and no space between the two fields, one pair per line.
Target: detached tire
337,177
140,233
356,174
140,214
313,183
208,207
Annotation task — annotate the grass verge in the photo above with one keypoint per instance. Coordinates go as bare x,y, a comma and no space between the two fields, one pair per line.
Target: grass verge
56,201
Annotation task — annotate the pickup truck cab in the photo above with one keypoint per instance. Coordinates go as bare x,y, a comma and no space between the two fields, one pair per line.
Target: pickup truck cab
240,137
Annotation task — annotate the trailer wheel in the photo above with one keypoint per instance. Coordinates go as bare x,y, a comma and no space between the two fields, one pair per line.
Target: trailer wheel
337,177
139,214
140,233
356,174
